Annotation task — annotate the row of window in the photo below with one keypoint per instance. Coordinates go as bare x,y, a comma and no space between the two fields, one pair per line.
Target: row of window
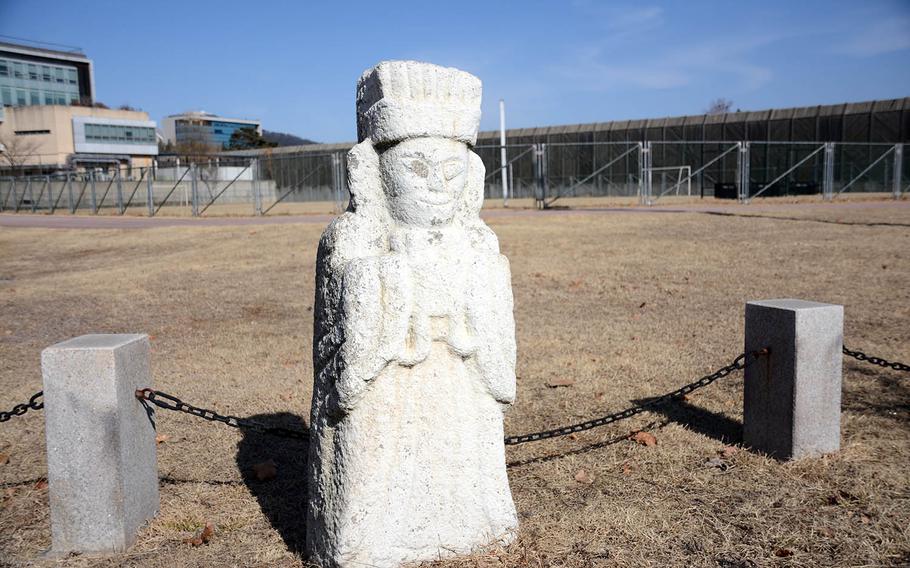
38,72
115,133
23,97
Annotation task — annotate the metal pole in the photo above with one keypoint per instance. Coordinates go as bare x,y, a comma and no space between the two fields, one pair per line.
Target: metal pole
257,193
12,190
50,192
898,171
93,196
828,178
150,195
69,194
502,152
646,180
194,190
31,195
119,193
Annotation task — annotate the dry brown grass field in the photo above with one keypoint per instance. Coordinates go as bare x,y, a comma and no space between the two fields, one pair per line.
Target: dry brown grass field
627,304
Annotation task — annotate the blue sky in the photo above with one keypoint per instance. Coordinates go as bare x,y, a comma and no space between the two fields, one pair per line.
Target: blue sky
294,65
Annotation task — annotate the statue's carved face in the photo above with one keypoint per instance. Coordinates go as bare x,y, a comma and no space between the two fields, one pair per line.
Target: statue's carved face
423,179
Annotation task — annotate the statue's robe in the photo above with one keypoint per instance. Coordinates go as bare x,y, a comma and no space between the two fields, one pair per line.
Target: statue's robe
414,362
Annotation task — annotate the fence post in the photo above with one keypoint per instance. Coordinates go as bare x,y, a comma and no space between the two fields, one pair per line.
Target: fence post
645,172
71,203
31,196
742,171
150,194
101,464
828,178
119,193
792,397
194,190
257,194
898,171
93,196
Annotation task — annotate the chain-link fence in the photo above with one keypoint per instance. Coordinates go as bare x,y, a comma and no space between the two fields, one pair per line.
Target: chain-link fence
271,182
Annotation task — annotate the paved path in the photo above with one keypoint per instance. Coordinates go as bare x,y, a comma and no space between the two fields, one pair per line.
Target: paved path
65,221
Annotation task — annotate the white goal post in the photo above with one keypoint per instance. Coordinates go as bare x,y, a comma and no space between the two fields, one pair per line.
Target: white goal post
680,175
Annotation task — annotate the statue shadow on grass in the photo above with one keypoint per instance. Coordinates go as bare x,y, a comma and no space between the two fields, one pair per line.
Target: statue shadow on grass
705,422
282,499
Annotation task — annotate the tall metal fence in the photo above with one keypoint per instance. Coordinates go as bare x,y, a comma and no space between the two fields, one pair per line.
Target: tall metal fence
544,172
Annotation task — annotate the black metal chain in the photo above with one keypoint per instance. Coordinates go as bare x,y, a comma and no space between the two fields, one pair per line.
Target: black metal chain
169,402
860,356
741,362
20,409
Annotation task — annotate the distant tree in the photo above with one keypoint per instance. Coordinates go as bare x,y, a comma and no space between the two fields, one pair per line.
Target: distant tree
245,138
196,150
99,104
719,106
166,147
127,107
285,139
15,151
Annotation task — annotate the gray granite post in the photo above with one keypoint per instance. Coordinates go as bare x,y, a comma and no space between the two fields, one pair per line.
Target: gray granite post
792,397
101,463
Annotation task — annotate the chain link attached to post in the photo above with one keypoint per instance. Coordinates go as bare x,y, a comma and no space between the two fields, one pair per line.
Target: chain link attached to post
169,402
741,362
20,409
860,356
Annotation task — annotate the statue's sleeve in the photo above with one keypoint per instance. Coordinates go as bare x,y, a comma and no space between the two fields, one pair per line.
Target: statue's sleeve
490,315
374,309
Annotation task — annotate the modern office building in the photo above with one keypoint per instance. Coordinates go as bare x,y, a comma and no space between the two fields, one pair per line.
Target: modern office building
48,122
37,76
49,138
201,127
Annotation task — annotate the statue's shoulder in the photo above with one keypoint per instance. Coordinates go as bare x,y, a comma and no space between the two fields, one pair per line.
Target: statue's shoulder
349,236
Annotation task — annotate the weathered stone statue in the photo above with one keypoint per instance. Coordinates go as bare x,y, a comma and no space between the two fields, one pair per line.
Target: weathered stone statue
414,339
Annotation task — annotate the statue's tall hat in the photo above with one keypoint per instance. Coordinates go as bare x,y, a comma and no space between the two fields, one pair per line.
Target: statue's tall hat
409,99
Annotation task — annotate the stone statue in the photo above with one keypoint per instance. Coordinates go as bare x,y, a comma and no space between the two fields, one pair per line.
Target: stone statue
414,337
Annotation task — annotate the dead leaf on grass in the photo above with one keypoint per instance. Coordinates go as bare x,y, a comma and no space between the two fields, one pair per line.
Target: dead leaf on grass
266,470
161,438
203,537
4,459
728,451
41,484
628,468
582,476
560,382
644,438
783,552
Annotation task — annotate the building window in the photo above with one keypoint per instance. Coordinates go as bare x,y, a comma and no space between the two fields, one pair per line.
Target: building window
71,76
32,71
106,133
46,73
6,95
20,97
4,68
34,97
48,98
58,74
18,70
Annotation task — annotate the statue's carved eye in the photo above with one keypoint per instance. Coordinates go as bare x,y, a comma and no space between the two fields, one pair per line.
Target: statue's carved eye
419,167
453,168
